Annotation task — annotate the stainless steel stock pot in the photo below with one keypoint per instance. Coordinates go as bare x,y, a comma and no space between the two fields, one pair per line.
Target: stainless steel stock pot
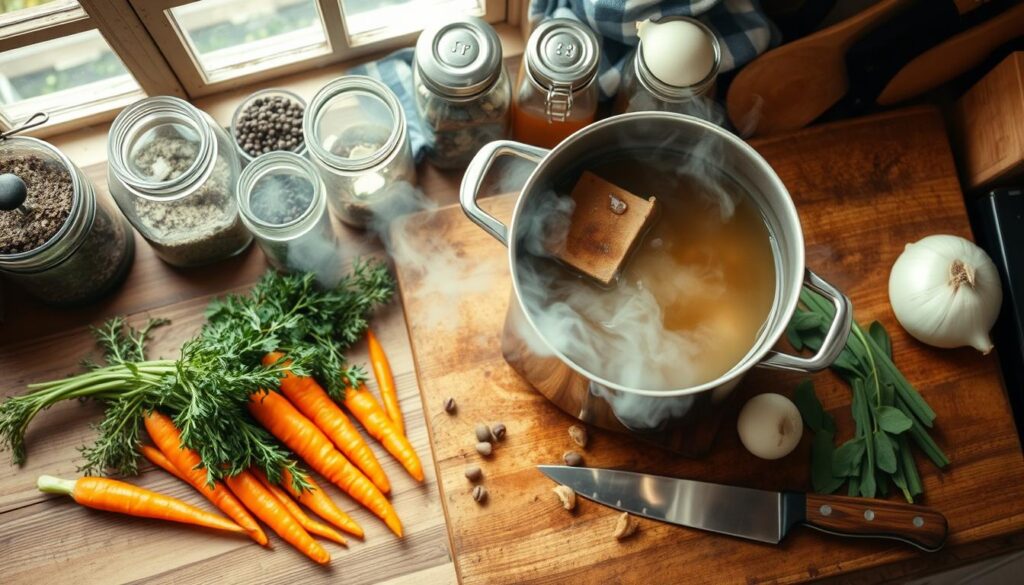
683,419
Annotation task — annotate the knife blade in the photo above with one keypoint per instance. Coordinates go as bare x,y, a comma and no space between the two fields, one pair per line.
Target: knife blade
761,515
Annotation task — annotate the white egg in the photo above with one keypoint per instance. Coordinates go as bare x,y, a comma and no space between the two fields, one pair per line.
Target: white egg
676,52
770,426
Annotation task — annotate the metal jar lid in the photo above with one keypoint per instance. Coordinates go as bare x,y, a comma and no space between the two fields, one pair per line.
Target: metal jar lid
562,51
460,58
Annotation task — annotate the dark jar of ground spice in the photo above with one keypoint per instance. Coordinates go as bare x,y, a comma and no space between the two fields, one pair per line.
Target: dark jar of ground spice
172,171
284,204
63,244
269,120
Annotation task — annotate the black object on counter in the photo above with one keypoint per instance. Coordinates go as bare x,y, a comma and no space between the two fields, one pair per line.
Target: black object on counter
998,219
13,193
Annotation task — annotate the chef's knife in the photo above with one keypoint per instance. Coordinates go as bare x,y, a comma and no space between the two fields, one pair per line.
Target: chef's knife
760,515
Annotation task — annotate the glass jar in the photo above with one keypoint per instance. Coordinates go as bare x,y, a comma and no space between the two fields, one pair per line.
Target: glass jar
172,171
60,242
641,90
556,93
356,135
462,92
268,120
283,203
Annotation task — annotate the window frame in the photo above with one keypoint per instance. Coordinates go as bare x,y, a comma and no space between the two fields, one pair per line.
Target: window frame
158,58
174,46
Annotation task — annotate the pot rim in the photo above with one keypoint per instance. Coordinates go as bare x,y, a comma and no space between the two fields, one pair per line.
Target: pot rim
795,280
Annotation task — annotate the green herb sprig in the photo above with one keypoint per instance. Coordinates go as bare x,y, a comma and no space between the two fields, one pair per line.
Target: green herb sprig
888,411
206,389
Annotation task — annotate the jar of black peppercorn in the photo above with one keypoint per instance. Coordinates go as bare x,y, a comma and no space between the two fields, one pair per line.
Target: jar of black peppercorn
463,94
268,120
58,239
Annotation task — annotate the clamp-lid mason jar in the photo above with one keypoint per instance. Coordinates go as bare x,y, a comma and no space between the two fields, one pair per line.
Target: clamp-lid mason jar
282,199
463,95
57,239
690,69
556,93
172,171
355,132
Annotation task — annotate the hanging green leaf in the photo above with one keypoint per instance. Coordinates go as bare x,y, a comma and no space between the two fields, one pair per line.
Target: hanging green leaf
881,338
892,420
885,453
846,459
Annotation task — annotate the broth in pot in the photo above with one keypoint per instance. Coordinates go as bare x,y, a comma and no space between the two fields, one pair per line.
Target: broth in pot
692,300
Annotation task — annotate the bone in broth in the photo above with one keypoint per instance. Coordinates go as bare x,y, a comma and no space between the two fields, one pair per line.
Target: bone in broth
692,299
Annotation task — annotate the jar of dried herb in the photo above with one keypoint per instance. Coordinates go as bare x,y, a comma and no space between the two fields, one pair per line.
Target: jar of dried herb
284,205
173,171
58,240
356,135
463,94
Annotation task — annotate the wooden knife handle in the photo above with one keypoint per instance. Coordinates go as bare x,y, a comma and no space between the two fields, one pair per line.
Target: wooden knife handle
922,527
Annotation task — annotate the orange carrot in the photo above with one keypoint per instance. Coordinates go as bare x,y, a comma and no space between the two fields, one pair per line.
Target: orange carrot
385,381
362,404
286,423
157,457
315,499
311,526
111,495
313,401
168,439
267,508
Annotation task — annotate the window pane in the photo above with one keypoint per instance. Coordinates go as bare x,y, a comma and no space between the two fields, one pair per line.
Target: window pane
20,10
372,20
232,37
62,75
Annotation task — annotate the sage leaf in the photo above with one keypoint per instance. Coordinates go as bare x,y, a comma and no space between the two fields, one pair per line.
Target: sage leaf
822,479
809,407
806,321
885,453
867,479
794,339
892,420
881,338
846,459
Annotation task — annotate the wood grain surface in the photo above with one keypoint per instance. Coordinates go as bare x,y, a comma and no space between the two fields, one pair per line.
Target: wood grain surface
48,539
863,189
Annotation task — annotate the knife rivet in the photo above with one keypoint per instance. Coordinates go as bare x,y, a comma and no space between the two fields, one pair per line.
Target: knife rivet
825,510
869,515
918,521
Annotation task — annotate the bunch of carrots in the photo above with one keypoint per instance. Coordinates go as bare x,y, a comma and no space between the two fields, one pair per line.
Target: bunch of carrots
307,420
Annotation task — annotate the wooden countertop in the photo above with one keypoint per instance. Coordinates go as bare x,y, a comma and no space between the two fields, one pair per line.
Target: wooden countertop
46,539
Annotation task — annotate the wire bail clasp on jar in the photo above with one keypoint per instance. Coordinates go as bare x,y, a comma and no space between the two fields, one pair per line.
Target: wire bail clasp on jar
558,102
34,121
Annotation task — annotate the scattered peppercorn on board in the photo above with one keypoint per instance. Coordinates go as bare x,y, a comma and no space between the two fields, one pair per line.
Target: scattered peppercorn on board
49,539
863,189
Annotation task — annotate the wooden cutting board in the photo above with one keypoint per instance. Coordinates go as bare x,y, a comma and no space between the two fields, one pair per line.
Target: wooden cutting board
863,189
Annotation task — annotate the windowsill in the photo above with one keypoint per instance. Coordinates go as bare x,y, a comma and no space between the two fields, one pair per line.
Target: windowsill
88,146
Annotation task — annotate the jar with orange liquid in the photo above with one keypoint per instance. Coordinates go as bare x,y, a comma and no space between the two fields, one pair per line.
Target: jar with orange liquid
556,93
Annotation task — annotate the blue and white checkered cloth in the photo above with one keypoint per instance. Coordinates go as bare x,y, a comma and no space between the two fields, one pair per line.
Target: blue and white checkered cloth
741,26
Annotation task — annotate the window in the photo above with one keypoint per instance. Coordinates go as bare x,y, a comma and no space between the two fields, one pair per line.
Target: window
62,75
83,60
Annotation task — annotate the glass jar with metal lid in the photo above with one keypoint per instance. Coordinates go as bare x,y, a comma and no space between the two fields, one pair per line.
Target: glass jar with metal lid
58,240
356,136
693,57
283,203
556,93
463,94
172,171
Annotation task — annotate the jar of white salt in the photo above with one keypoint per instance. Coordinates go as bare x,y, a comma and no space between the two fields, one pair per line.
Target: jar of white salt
355,133
173,171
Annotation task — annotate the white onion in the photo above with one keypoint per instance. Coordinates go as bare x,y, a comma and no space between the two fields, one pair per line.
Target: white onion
770,426
945,292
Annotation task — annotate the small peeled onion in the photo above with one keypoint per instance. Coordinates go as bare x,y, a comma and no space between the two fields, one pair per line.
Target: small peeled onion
770,426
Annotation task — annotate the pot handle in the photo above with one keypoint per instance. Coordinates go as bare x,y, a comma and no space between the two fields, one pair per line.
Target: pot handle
835,338
474,178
